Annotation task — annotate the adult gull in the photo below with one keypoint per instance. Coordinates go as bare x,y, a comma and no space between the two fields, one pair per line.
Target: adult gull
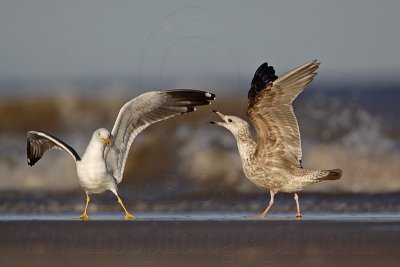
274,161
102,165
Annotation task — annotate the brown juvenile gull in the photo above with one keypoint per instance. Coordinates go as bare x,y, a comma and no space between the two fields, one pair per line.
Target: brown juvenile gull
274,162
102,165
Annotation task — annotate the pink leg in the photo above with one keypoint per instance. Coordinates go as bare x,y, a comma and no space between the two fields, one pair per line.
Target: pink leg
271,202
296,198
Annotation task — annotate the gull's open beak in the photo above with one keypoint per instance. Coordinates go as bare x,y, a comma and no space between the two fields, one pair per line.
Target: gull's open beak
222,116
107,141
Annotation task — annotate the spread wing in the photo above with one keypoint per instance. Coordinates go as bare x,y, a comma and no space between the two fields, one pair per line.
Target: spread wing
142,111
39,142
271,111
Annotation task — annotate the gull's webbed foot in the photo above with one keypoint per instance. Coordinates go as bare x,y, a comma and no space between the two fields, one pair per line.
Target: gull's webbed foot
84,217
129,216
257,216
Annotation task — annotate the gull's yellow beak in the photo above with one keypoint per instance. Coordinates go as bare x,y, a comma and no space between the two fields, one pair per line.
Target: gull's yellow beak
107,141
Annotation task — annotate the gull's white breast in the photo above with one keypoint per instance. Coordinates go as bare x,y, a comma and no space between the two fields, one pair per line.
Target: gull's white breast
92,170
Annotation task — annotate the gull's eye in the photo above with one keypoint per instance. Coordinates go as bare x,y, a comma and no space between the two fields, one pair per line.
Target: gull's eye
230,120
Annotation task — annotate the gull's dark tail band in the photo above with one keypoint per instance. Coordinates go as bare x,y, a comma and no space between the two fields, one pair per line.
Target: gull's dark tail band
334,174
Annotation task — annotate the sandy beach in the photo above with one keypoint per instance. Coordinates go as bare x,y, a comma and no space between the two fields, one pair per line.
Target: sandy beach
200,239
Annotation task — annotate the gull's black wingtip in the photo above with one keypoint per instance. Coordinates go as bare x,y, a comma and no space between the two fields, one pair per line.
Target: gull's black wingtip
210,96
263,76
31,161
190,94
189,98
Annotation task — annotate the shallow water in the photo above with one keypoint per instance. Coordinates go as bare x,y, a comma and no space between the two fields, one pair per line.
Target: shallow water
200,239
205,216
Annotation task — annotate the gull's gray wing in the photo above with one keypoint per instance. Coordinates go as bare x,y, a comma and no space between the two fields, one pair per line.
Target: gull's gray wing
40,142
143,111
271,111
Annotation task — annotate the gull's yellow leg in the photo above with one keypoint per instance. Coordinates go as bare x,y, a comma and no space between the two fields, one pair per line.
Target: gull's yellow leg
128,216
84,215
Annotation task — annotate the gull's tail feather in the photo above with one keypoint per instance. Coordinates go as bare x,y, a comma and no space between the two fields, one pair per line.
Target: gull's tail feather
334,174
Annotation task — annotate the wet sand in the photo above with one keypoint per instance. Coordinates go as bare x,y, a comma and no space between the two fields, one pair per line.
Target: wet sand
200,239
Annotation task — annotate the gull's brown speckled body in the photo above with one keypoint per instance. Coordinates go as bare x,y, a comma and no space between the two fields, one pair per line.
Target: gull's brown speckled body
274,161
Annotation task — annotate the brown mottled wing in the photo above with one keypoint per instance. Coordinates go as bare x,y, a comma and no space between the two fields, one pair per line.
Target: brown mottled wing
39,142
141,112
271,111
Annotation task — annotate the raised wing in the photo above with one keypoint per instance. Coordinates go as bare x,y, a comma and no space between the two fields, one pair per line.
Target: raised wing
40,142
142,111
271,111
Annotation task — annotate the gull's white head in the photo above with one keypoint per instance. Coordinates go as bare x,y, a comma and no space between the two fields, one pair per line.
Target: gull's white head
102,135
234,124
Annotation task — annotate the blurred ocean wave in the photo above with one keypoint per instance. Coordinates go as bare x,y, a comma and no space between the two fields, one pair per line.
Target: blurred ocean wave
356,130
